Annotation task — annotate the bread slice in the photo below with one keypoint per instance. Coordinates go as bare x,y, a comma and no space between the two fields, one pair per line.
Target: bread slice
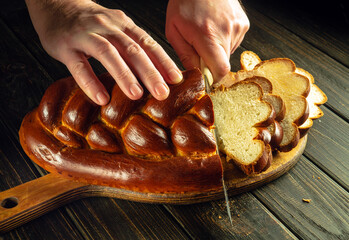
278,104
248,60
241,116
316,97
287,83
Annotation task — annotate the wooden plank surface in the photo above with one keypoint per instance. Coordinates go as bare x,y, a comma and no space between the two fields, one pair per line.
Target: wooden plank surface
276,210
323,25
326,216
328,147
250,221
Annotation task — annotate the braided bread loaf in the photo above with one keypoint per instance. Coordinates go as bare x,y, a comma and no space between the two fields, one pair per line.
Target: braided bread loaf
144,145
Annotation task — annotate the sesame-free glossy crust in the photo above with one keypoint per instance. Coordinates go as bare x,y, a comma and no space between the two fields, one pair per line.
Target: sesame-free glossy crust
128,145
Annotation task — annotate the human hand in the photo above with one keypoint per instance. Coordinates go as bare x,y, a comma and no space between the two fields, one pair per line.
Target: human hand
211,29
74,30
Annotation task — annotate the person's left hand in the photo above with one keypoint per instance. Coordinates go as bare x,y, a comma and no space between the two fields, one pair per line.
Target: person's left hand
210,29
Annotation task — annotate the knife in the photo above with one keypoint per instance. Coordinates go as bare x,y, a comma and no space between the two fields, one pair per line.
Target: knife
208,83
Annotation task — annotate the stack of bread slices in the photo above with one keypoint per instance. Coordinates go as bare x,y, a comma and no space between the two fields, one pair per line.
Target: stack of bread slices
266,106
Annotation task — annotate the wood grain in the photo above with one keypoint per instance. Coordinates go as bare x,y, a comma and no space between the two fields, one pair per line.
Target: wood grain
325,217
328,147
323,26
210,220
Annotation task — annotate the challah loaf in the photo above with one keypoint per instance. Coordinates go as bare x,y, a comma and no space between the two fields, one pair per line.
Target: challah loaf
167,146
145,145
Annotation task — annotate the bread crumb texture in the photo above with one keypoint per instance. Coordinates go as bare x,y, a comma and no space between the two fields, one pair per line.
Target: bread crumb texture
237,110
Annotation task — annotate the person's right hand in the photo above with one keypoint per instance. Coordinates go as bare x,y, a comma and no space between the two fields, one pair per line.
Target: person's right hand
207,29
74,30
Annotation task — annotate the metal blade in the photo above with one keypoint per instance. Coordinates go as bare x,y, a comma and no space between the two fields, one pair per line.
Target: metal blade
208,82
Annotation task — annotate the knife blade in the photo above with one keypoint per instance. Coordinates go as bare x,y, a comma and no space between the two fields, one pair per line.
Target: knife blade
208,83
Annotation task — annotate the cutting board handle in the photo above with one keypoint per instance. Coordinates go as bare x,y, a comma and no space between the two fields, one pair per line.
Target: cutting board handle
30,200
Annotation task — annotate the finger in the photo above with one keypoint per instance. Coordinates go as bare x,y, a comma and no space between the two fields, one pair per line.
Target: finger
214,50
215,56
238,37
101,49
157,55
186,53
239,30
140,63
236,45
84,76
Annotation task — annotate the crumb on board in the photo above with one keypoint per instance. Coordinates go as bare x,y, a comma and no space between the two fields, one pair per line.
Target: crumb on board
219,216
307,200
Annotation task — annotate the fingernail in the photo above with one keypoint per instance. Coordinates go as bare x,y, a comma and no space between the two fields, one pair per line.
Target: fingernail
102,98
136,90
175,76
161,90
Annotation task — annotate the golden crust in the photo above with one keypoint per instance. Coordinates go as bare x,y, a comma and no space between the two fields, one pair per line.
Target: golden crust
125,144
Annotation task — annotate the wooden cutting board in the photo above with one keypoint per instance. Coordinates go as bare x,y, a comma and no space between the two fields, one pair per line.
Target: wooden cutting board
30,200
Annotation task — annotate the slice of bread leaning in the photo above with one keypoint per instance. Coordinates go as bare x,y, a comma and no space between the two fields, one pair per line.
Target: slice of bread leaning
278,104
287,83
316,97
241,118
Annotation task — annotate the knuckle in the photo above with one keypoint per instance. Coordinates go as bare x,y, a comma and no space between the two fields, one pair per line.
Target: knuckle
222,70
242,26
123,75
86,84
148,41
186,59
166,62
99,19
246,25
152,75
77,68
237,27
103,48
125,23
120,14
133,49
207,29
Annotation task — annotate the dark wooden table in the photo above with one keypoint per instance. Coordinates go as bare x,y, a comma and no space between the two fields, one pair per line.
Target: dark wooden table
316,39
